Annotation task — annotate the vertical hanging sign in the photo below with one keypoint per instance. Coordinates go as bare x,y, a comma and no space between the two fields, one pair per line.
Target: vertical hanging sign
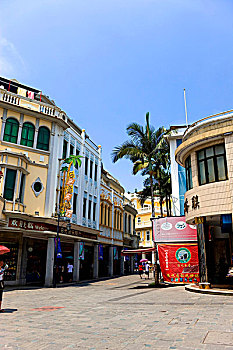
101,252
81,250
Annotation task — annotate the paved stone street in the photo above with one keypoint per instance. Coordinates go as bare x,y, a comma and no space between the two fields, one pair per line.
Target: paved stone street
119,313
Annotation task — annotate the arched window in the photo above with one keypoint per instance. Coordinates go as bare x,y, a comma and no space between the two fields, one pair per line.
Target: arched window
11,130
43,138
28,132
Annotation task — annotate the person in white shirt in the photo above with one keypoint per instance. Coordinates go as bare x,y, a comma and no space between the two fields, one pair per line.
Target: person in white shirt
70,271
147,270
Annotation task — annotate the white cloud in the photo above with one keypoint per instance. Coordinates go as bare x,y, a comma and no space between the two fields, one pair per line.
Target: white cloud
11,63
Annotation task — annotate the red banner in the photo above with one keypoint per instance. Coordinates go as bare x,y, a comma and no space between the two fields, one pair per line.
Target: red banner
179,262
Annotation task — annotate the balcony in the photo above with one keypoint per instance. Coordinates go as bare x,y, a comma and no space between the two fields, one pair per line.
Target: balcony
144,210
33,105
143,224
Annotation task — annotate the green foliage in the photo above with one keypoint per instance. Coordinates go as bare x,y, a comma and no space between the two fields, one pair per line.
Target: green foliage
148,150
72,159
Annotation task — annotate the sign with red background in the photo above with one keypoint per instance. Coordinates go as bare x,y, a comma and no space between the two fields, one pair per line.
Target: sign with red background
179,262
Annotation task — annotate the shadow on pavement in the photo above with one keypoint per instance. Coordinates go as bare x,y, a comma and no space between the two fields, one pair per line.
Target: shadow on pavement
9,311
152,285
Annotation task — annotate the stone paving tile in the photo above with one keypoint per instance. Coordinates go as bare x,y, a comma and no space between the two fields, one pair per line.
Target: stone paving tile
113,314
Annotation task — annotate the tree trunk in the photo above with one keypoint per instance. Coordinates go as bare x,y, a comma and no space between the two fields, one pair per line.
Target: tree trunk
167,208
170,207
152,196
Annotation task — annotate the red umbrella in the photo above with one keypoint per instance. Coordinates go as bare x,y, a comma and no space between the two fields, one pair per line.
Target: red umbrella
143,260
3,250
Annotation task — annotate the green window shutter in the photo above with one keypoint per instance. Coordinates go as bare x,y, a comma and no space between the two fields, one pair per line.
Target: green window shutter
28,132
11,130
9,184
43,138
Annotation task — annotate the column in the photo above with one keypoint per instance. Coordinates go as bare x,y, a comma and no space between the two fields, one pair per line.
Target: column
122,265
20,127
36,132
3,122
49,263
110,265
23,267
96,261
76,262
131,264
143,256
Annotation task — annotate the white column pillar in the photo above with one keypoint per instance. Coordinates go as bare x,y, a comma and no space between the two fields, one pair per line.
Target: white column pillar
49,263
76,262
110,266
36,132
96,261
20,127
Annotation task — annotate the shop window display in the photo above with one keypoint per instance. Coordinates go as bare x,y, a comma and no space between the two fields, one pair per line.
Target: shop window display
11,260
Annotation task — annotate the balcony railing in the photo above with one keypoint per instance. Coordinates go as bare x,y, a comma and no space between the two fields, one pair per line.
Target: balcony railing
206,119
31,104
143,224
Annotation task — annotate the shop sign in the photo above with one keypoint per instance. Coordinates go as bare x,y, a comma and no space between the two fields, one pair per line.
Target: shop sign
27,225
76,233
195,204
173,229
179,262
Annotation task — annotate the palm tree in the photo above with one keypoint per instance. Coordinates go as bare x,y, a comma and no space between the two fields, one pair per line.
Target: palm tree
144,150
66,166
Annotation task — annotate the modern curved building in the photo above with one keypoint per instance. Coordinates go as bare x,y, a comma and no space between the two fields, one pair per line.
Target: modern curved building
206,153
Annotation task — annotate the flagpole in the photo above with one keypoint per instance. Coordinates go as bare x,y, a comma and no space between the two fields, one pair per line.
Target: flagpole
186,115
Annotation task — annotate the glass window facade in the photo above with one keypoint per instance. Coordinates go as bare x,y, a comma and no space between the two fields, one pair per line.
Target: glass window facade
64,151
188,170
212,166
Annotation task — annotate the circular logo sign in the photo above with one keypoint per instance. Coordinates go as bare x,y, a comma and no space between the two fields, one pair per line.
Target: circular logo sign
183,255
180,225
166,226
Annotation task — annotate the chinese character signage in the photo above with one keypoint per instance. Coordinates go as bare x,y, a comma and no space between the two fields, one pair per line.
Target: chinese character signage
179,262
28,225
173,229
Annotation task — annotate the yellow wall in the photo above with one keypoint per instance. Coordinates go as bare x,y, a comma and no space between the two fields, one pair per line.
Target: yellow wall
145,215
32,202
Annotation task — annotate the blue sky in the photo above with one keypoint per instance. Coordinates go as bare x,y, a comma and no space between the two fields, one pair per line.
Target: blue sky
108,62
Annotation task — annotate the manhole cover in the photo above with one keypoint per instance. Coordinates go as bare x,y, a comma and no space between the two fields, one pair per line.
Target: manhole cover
219,338
47,308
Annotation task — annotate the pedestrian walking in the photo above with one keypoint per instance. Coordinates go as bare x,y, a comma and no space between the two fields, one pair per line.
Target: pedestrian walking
136,266
70,271
140,269
2,270
147,270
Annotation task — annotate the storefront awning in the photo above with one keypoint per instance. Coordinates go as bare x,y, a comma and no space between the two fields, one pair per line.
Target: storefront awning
137,251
